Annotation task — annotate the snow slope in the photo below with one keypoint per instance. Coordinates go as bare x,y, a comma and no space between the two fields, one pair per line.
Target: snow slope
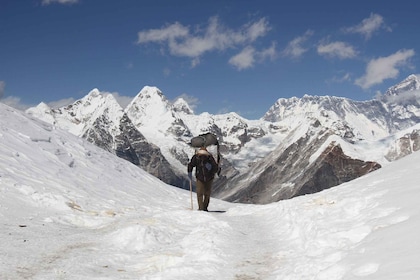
70,210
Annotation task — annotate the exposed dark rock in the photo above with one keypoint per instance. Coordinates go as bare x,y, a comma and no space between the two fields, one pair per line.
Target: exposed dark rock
99,135
333,168
292,171
131,145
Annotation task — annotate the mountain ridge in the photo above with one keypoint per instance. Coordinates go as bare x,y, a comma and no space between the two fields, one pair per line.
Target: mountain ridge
168,127
73,210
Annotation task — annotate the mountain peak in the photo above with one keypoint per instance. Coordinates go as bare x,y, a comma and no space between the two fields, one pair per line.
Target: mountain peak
43,106
411,83
150,91
149,95
41,111
94,93
148,106
94,104
78,116
181,105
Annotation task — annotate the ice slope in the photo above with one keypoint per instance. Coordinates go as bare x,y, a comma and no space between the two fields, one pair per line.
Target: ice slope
70,210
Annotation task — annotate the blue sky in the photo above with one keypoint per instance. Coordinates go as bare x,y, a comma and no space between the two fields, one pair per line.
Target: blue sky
222,56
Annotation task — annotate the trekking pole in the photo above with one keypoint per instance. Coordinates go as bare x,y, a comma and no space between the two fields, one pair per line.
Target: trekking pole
191,195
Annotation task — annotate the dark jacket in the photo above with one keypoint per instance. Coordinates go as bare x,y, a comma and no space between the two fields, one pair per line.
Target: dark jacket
205,166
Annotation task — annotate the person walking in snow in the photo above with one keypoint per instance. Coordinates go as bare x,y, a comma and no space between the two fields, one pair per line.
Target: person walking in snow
205,170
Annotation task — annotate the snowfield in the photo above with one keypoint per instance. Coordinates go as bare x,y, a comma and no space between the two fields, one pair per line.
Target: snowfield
70,210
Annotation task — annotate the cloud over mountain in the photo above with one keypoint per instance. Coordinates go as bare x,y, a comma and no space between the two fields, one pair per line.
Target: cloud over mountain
382,68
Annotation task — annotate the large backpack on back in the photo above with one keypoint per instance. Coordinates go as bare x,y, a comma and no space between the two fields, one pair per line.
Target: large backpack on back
205,140
205,169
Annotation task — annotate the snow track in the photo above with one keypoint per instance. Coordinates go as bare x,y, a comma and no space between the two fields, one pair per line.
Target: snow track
256,245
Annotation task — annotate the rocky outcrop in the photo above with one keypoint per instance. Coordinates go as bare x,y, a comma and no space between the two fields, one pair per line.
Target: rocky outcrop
404,146
131,145
333,168
294,170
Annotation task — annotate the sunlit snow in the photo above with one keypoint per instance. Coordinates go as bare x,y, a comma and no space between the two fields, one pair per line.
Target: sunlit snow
70,210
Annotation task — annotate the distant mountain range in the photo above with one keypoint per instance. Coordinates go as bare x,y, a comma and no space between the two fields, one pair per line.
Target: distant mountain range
301,145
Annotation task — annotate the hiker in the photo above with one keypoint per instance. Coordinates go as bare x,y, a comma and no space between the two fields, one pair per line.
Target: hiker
205,169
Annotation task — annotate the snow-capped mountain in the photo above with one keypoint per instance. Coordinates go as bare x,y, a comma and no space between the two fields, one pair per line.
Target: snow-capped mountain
403,102
256,154
345,116
100,119
410,84
329,141
71,210
313,162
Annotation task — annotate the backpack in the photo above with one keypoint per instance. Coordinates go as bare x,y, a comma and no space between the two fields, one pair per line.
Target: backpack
205,167
205,140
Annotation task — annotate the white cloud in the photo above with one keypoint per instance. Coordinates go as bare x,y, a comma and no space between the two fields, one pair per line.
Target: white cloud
11,101
269,53
345,77
340,50
249,56
181,41
195,61
2,86
15,102
380,69
256,29
168,33
405,98
48,2
368,26
295,47
243,60
340,78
